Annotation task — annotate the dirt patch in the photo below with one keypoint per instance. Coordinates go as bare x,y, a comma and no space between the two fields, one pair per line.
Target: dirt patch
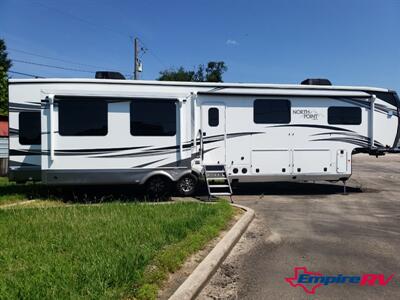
24,203
223,285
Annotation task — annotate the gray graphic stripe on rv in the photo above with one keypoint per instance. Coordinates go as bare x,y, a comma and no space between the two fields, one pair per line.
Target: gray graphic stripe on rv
210,139
13,163
13,131
149,163
173,149
101,150
149,152
108,152
72,151
80,152
357,142
22,107
23,152
184,162
350,135
313,126
378,107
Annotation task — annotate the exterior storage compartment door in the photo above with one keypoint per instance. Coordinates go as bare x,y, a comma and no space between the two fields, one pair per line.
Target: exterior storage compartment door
270,161
311,161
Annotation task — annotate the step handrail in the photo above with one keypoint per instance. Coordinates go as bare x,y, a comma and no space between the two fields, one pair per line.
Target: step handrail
201,152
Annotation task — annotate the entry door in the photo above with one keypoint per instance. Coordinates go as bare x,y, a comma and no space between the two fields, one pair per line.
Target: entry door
214,135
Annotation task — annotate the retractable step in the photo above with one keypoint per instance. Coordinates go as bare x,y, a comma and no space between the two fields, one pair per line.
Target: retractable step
217,180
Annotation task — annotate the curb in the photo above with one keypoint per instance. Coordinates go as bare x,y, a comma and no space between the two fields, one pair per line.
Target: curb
196,281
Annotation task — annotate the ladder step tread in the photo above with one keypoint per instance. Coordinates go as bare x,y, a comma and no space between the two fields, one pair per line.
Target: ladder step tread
214,171
217,178
220,194
218,185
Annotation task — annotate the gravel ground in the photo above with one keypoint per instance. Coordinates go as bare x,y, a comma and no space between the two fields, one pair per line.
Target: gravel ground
314,225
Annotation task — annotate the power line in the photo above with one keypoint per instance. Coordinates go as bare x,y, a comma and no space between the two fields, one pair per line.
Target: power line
24,74
82,19
56,67
93,24
152,53
52,66
96,26
59,59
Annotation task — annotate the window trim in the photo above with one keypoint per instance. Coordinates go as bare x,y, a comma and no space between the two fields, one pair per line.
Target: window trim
275,99
89,99
20,128
348,124
173,100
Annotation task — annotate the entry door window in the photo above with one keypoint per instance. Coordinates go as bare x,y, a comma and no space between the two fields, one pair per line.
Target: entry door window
213,117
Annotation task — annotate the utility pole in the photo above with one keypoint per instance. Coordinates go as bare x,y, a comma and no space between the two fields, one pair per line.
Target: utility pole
138,50
136,66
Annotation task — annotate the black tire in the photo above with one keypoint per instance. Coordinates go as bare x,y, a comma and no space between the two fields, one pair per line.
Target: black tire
158,188
187,185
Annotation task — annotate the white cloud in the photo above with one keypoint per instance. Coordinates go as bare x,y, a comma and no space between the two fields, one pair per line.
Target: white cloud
230,42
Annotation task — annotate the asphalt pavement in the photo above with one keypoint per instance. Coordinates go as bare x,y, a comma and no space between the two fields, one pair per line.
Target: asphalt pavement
314,225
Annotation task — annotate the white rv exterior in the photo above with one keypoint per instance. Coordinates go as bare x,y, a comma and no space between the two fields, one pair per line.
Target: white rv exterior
132,131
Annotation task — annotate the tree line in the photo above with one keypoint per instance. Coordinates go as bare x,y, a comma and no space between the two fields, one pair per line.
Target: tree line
5,65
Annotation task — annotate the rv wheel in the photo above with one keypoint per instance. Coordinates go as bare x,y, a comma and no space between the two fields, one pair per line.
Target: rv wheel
186,185
157,188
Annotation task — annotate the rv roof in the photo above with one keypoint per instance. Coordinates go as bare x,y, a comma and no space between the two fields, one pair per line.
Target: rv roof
199,84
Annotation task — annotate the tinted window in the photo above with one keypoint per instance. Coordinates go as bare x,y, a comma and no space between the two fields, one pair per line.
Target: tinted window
29,128
213,117
344,115
272,111
86,117
153,117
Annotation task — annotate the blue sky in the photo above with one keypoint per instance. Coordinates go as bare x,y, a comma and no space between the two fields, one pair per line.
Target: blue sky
353,42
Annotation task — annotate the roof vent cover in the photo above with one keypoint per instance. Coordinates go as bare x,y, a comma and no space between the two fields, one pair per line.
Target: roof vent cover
109,75
316,81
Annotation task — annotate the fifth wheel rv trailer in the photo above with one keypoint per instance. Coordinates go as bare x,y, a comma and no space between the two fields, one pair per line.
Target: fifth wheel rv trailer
102,131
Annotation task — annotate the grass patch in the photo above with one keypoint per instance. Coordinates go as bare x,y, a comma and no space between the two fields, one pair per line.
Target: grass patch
11,192
112,250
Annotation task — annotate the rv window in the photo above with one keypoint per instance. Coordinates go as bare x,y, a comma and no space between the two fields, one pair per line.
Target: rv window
344,115
86,117
151,117
213,117
271,111
29,128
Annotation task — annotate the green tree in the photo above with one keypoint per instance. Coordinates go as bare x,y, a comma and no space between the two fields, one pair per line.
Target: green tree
212,73
5,65
179,74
